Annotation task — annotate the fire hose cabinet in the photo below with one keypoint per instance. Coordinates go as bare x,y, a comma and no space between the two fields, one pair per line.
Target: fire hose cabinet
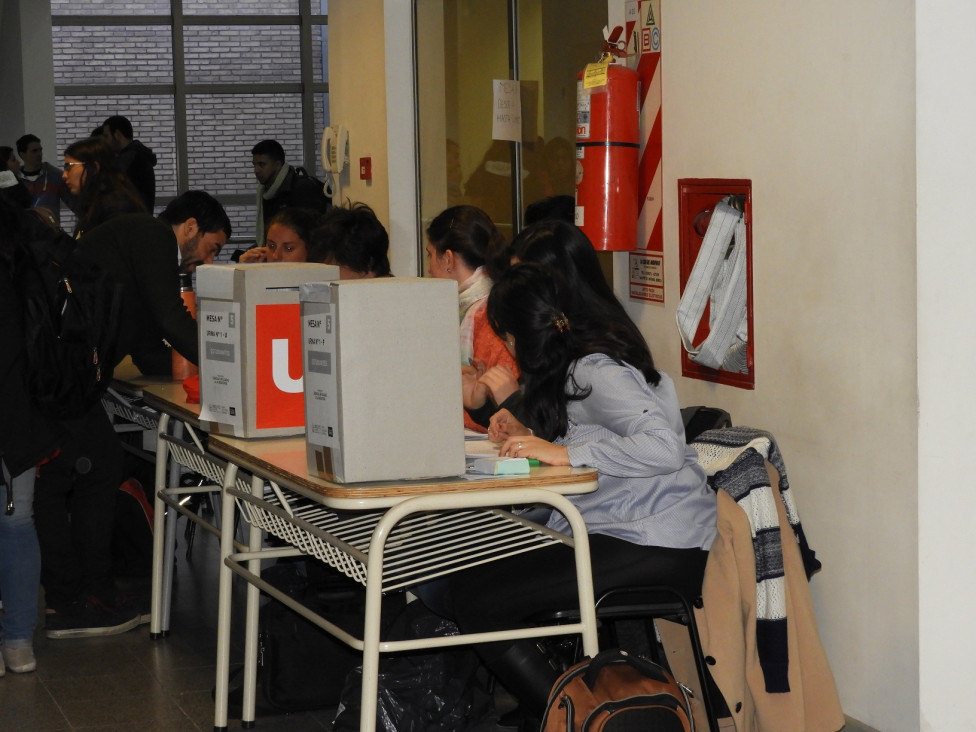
715,312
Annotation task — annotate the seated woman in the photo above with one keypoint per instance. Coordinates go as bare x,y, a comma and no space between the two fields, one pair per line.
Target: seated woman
464,245
566,251
354,240
287,237
591,397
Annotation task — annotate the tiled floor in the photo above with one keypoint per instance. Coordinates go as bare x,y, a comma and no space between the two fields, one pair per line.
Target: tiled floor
129,682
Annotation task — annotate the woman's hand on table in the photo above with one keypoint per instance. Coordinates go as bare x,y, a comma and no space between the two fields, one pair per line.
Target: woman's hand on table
501,382
253,255
529,446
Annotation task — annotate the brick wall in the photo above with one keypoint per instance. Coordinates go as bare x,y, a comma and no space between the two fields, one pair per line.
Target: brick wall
221,129
190,7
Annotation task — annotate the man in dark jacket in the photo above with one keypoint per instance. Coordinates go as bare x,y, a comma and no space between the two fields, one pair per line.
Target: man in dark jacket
146,255
281,186
135,159
75,496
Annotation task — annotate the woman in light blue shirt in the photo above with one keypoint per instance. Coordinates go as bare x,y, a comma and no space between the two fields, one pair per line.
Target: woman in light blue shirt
591,397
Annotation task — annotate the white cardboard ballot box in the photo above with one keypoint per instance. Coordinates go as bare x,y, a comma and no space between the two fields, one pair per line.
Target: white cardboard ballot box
250,347
382,379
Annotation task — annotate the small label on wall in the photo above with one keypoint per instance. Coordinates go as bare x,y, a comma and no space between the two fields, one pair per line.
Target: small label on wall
646,276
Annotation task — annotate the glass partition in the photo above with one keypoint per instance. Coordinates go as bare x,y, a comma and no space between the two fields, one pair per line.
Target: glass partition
463,47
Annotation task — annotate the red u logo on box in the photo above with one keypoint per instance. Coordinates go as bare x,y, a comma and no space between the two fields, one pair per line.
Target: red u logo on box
280,397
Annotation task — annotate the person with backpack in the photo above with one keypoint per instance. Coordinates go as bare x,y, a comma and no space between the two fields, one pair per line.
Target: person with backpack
76,493
27,438
281,186
591,397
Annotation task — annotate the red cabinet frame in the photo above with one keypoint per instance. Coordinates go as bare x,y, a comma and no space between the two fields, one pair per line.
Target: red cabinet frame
696,198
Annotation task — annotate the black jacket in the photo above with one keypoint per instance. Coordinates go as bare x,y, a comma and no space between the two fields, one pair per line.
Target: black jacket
137,161
26,437
141,252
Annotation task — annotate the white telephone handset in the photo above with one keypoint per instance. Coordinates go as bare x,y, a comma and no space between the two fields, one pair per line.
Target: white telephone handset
335,156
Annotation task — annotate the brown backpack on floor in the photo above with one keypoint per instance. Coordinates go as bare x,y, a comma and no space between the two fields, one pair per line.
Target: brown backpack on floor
617,692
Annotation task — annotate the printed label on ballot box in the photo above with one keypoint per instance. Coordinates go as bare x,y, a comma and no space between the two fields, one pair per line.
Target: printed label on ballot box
321,377
221,389
279,399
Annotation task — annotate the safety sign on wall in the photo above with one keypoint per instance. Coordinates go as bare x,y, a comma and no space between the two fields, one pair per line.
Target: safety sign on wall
647,276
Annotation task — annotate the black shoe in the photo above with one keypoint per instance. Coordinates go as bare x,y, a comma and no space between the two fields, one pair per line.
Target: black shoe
88,619
139,603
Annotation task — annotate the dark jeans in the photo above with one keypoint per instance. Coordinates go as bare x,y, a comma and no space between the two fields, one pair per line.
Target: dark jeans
74,510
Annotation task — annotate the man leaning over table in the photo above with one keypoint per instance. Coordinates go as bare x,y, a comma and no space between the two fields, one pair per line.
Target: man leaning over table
75,492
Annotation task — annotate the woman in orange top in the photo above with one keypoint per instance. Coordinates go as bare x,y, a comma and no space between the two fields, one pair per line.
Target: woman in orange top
464,245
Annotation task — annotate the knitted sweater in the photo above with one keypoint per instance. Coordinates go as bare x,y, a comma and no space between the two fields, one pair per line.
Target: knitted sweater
734,459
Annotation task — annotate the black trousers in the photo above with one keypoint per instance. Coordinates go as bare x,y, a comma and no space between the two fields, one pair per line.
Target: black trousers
74,511
504,594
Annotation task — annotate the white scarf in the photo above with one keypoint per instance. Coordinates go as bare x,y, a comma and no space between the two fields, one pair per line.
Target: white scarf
472,296
266,194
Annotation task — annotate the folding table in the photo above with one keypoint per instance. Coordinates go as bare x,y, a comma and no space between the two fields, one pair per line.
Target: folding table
389,536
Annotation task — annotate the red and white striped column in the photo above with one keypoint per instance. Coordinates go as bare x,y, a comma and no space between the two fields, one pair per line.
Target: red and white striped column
650,234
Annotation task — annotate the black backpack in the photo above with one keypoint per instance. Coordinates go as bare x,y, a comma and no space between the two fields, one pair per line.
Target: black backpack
71,316
300,666
326,202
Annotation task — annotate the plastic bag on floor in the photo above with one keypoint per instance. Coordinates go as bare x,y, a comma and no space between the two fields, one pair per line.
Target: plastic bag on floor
420,691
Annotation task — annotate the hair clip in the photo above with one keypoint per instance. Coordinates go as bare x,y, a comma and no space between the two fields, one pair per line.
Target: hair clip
561,323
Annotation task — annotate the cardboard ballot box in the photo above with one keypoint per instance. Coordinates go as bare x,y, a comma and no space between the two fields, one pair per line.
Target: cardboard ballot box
382,379
250,347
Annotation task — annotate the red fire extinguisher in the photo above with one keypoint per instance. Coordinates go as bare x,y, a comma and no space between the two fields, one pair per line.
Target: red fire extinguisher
607,153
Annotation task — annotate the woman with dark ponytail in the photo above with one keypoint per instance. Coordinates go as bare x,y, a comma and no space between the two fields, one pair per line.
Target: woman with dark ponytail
591,397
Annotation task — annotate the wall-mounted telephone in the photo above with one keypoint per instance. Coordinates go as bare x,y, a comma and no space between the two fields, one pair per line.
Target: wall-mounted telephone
335,149
335,157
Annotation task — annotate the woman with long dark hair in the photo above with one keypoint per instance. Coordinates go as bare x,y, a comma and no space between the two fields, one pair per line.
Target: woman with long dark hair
591,397
570,257
102,191
565,249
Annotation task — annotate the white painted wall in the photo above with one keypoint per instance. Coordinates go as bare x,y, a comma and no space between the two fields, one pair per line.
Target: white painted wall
815,103
946,256
371,93
26,77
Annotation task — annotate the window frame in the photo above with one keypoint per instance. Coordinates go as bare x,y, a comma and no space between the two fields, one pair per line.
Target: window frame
180,89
